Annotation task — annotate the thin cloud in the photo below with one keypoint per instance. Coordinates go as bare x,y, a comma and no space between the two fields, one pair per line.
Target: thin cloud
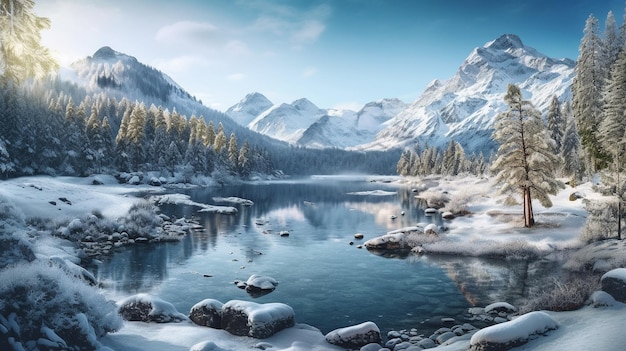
187,30
237,47
181,64
309,72
236,76
299,26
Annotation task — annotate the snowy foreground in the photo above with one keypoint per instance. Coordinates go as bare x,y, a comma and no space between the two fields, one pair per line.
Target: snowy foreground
589,328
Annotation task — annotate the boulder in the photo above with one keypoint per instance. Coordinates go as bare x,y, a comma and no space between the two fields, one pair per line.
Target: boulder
514,333
147,308
258,285
207,313
259,321
355,337
614,283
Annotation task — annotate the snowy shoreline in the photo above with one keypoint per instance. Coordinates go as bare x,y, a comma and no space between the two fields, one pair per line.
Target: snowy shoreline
33,196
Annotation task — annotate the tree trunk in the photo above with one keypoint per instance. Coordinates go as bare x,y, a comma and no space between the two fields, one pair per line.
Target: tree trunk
529,219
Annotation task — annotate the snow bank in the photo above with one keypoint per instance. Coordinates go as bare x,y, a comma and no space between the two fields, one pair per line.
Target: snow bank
373,193
182,199
53,197
513,333
234,200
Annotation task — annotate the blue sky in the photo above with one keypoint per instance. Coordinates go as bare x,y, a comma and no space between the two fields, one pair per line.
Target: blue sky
337,53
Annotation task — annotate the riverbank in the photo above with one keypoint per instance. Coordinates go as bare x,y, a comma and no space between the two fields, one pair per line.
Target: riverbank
486,223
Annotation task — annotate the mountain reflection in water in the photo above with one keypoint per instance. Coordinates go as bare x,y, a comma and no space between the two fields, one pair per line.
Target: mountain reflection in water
329,283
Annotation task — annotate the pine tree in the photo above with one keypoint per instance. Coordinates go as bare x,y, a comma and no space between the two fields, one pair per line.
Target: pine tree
570,148
233,151
613,126
526,161
244,162
21,54
404,163
220,139
556,123
587,93
612,41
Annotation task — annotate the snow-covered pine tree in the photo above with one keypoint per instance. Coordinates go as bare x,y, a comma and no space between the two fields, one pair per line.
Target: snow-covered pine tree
233,151
587,93
525,160
136,135
612,41
404,163
556,123
450,165
570,147
21,54
244,162
613,126
220,139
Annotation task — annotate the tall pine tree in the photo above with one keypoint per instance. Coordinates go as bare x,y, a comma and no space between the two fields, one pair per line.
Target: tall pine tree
525,161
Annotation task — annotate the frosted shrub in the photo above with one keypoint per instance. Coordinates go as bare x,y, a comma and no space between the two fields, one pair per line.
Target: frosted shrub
9,214
602,220
41,304
142,220
565,294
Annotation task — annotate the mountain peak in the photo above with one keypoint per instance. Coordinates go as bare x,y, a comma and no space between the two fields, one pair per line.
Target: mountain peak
105,52
506,41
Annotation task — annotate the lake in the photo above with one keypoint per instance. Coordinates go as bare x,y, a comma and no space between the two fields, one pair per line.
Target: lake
328,282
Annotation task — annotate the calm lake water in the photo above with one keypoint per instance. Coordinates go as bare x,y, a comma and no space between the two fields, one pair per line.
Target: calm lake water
328,282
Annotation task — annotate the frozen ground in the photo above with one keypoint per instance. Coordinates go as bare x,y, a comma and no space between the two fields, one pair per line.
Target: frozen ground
558,227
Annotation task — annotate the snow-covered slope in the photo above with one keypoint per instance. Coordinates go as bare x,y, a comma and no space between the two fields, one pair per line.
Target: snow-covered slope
249,108
118,75
464,106
347,129
287,121
302,123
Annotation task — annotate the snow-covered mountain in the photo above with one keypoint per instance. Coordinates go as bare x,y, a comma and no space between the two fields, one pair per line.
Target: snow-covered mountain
119,75
287,121
303,123
464,106
249,108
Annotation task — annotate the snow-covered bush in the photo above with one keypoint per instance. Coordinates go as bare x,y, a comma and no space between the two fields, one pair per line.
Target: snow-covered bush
142,220
9,214
564,294
42,305
14,249
602,220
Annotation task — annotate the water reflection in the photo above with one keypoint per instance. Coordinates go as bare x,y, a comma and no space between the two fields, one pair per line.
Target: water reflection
329,283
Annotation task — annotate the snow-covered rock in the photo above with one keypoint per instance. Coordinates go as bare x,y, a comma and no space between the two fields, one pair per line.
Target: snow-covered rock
261,282
511,334
234,200
614,283
259,321
600,299
147,308
500,307
206,346
464,106
207,313
355,336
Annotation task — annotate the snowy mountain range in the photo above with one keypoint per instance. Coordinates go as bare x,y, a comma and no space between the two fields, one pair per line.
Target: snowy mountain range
462,107
121,76
303,123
